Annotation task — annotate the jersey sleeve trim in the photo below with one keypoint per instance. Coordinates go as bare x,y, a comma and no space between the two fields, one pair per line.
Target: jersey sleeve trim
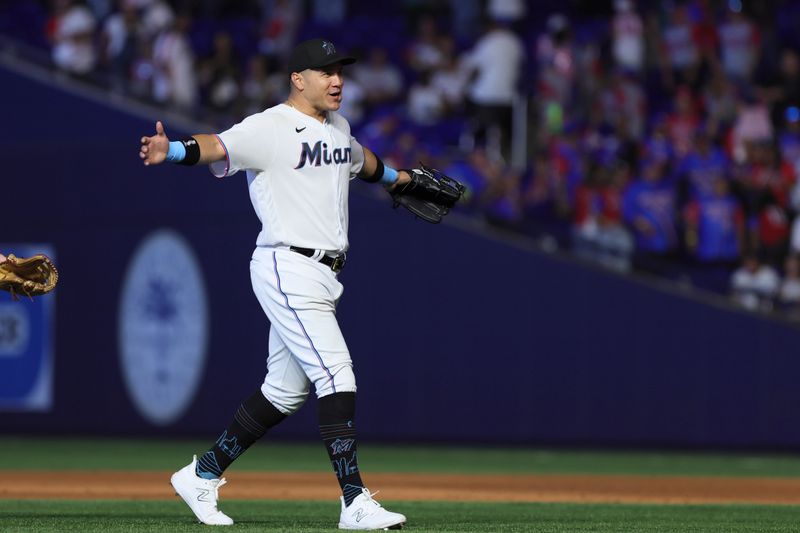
216,167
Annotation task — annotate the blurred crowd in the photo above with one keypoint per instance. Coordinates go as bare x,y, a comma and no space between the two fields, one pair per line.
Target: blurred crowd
656,136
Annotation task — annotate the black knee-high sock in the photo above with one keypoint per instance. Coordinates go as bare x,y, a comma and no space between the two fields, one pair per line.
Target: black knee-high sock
252,419
338,431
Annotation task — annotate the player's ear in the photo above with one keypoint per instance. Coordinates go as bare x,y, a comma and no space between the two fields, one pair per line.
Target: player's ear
297,81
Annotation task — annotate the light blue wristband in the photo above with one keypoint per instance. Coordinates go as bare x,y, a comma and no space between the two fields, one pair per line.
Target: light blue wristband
389,176
176,152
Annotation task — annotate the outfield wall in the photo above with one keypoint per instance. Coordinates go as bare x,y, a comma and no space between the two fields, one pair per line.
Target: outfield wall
456,337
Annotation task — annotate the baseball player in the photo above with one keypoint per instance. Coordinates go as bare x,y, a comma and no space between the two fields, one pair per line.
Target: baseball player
299,157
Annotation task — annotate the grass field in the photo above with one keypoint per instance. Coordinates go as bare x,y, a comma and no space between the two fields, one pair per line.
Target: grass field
80,454
310,516
266,517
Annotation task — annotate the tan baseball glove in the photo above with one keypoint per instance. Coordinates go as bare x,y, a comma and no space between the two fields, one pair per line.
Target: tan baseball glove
33,276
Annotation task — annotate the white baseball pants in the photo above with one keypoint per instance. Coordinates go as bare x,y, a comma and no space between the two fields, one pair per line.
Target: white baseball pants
299,296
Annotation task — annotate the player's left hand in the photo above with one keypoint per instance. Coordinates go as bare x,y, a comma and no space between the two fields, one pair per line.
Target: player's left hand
154,149
403,177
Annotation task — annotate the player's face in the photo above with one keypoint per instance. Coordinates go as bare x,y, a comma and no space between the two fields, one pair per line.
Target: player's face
324,87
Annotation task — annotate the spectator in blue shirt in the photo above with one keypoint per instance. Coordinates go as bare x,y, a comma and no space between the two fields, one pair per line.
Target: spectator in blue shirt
789,139
715,225
702,167
649,207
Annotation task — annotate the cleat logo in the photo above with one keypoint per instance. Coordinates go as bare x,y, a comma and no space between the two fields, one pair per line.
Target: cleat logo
359,514
202,495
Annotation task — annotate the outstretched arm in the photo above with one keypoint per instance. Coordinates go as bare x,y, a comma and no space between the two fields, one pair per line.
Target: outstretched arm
371,165
154,149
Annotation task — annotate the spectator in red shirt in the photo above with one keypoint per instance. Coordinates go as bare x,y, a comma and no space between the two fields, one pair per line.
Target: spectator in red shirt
683,122
706,36
770,171
763,186
599,233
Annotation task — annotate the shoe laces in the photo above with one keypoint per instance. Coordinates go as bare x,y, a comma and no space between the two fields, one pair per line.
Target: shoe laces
216,484
370,498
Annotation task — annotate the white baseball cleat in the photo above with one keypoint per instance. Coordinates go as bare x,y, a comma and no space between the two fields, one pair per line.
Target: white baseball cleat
200,495
366,513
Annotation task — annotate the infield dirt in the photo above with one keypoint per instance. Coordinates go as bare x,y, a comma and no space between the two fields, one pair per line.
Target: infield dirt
451,487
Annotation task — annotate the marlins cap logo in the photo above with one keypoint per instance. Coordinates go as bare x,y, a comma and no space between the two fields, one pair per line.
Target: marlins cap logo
329,48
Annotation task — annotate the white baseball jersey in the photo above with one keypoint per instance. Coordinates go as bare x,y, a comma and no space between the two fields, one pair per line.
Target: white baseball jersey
298,174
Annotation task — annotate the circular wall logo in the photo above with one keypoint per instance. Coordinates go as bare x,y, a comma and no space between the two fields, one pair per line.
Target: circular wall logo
163,327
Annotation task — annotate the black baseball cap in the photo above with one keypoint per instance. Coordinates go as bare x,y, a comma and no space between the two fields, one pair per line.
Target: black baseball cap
315,54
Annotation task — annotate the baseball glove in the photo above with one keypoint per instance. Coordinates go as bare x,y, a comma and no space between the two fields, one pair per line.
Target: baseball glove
33,276
429,195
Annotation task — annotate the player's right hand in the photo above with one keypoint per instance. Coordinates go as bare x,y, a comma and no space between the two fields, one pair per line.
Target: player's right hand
154,149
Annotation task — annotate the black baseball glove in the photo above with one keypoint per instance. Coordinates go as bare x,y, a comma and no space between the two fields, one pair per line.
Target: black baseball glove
429,195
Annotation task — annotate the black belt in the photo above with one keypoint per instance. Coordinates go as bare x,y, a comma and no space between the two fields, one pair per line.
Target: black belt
336,263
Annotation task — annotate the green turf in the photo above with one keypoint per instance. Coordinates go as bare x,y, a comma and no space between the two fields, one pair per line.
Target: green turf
272,516
75,454
265,517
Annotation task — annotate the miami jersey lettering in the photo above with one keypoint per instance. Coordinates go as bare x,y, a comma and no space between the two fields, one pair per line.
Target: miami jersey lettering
295,165
320,154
